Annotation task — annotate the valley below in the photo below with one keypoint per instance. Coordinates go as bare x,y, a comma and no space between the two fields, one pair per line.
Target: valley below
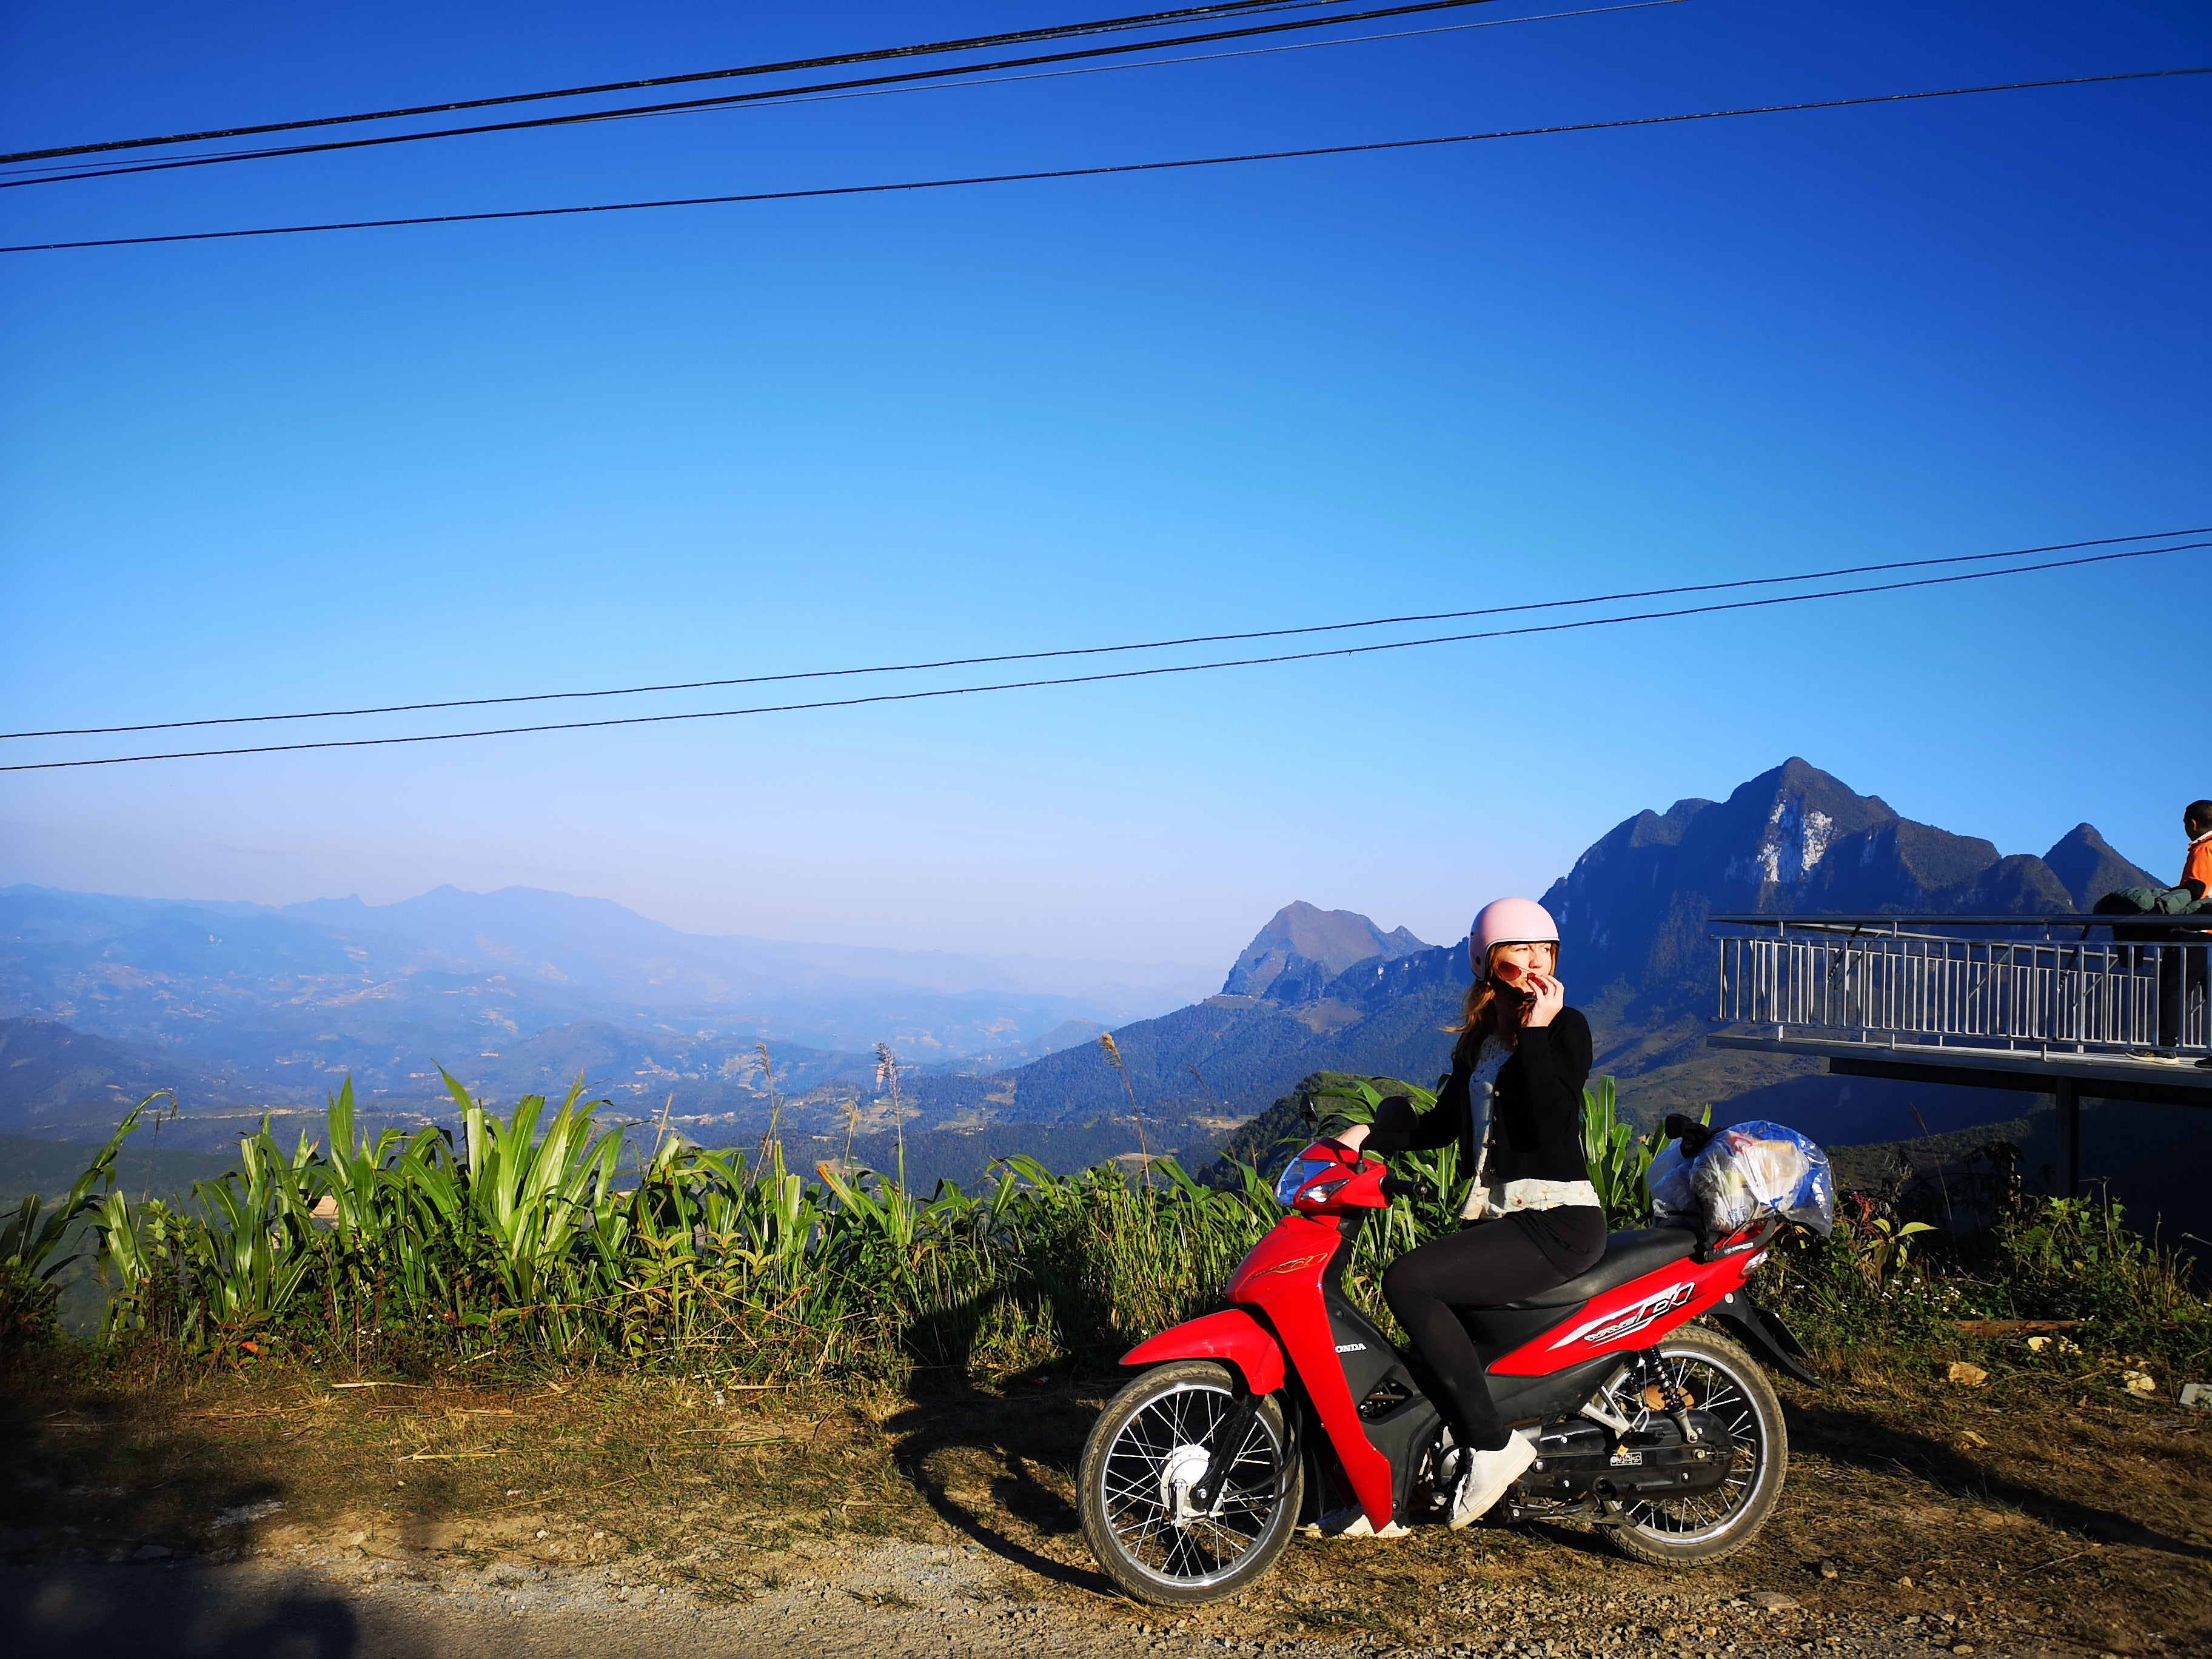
242,1012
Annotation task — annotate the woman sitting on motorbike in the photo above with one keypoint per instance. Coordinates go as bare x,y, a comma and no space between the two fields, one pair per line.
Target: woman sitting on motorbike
1514,1104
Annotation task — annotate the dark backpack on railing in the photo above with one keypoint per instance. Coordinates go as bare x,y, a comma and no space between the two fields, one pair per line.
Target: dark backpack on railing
2152,901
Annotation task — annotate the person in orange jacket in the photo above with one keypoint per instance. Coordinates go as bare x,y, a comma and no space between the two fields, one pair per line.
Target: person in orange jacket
2181,967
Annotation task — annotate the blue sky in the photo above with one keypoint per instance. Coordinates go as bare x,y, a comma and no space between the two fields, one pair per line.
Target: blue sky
460,461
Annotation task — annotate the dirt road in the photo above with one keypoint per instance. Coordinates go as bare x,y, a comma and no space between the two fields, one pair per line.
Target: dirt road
902,1598
284,1519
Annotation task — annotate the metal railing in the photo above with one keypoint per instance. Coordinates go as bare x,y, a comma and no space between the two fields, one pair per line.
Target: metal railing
1930,980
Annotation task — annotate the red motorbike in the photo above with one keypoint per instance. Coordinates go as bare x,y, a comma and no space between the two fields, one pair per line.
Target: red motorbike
1291,1403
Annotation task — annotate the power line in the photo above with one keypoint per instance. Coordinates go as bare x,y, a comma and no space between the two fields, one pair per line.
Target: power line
876,85
692,106
1118,674
974,42
1107,650
1094,172
784,97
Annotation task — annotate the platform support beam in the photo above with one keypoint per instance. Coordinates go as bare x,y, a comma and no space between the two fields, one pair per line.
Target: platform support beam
2070,1138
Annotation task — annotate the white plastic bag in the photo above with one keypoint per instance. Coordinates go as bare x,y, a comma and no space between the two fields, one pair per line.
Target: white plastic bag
1669,1180
1751,1170
1761,1168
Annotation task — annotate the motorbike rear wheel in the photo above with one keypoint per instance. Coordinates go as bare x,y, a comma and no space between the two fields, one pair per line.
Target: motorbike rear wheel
1150,1446
1696,1528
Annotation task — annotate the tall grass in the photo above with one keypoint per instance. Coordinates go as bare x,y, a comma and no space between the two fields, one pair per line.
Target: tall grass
525,1240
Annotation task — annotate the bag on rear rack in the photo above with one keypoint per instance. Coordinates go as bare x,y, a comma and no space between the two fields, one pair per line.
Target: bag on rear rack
1751,1170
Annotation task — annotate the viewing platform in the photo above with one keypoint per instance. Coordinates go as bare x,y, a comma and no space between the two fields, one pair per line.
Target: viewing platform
2073,1005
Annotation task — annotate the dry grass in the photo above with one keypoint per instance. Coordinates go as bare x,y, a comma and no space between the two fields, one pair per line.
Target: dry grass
590,1470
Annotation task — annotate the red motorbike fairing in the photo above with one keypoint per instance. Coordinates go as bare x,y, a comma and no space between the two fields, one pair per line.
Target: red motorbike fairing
1233,1335
1632,1317
1282,1278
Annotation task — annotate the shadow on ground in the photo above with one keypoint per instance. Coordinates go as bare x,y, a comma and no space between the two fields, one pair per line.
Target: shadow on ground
193,1614
999,1468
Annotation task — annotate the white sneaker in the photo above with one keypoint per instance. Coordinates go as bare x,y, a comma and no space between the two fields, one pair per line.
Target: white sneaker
1351,1522
1485,1476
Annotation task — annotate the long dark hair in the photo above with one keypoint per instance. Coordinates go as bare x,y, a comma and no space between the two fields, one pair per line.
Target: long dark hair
1492,1006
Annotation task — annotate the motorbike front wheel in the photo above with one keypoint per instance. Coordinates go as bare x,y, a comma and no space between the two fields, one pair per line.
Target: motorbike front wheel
1149,1447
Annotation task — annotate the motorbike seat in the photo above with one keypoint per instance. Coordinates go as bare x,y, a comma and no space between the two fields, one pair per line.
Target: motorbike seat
1627,1255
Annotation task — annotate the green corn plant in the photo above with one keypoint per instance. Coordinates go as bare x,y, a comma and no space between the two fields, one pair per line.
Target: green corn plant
1619,1161
374,1264
243,1257
771,1219
32,1242
510,1236
532,1197
886,1217
140,1247
266,1239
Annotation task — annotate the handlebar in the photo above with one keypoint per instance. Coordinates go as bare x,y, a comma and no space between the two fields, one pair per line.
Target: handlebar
1692,1135
1399,1187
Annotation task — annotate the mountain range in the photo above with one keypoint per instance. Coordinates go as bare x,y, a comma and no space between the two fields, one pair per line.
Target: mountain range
1633,913
241,1006
523,991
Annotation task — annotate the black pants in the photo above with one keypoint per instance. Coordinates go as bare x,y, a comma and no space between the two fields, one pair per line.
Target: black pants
1492,1262
2181,973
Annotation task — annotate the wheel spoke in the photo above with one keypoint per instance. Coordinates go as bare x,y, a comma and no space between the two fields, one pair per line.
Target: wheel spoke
1717,1393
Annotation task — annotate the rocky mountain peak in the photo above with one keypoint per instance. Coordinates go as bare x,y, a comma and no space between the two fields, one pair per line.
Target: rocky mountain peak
2087,865
1795,814
1634,906
1312,943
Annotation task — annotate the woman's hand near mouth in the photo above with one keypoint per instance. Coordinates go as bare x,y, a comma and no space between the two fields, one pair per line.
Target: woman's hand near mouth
1547,996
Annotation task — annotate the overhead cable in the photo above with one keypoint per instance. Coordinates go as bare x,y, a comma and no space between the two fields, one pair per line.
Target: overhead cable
727,101
875,86
973,42
1109,650
1095,172
1116,674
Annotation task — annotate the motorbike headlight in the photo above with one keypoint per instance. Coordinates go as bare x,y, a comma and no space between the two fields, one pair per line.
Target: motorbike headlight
1301,1171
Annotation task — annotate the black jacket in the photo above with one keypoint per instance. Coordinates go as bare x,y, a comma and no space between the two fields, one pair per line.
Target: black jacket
1536,1113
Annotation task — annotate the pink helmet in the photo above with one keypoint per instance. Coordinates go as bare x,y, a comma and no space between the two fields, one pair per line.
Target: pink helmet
1510,921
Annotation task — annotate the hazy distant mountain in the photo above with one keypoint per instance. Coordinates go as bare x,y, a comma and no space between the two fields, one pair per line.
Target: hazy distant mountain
1069,1034
1222,1059
55,1081
598,944
521,989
